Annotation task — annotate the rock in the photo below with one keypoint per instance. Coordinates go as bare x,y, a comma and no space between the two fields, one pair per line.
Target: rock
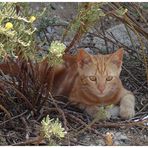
88,50
120,136
99,43
50,30
2,139
120,34
113,112
120,139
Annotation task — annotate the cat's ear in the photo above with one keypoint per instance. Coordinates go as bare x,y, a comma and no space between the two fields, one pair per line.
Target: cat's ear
117,57
83,57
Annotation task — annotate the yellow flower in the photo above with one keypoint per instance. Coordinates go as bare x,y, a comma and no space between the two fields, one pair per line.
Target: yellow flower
32,19
9,26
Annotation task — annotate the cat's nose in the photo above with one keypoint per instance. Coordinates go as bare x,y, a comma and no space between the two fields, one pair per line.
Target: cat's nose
101,88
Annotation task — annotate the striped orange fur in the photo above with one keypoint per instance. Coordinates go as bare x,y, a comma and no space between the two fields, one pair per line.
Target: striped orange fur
93,80
87,80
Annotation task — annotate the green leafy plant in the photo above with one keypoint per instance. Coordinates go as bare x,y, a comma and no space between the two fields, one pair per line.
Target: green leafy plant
87,15
103,112
56,50
28,80
52,128
16,32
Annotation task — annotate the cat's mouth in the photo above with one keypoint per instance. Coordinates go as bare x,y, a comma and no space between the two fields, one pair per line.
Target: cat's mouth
101,96
94,93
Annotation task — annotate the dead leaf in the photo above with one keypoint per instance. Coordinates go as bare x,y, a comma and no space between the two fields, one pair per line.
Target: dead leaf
109,139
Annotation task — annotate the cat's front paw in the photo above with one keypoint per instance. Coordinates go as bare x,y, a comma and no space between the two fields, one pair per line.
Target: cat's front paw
127,106
127,113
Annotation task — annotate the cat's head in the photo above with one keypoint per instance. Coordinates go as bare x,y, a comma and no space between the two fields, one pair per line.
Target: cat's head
99,74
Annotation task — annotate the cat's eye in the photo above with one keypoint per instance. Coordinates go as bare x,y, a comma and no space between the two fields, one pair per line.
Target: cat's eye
109,78
83,80
92,78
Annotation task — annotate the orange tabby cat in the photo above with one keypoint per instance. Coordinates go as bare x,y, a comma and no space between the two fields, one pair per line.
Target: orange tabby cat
88,80
93,80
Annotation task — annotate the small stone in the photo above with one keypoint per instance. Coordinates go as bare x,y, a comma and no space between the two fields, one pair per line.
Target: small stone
50,30
120,136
